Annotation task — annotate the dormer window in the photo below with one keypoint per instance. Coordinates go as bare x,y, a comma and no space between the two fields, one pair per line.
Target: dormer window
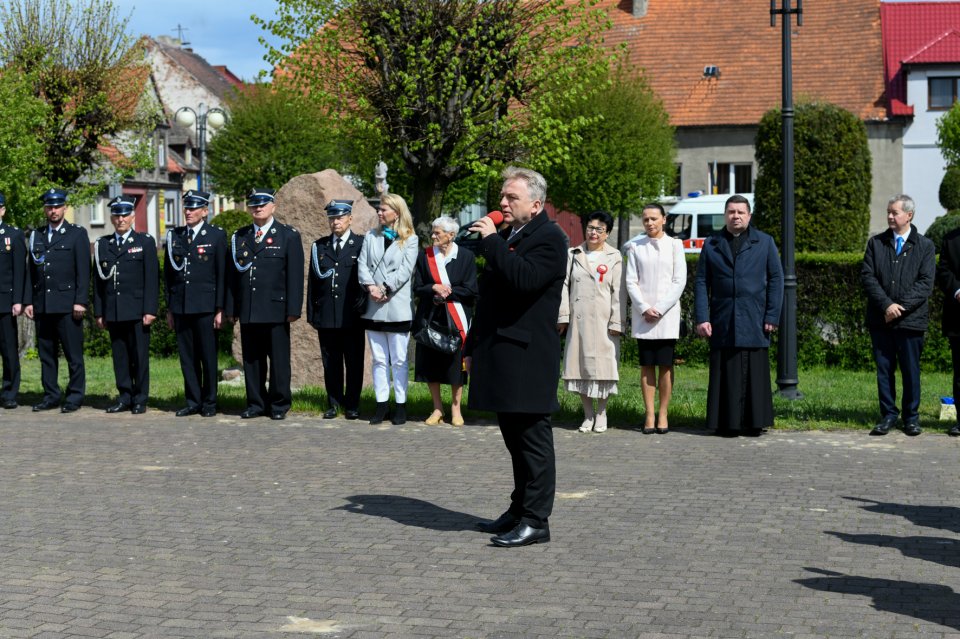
942,93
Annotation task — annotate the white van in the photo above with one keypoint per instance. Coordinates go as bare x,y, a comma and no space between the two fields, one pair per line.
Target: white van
695,218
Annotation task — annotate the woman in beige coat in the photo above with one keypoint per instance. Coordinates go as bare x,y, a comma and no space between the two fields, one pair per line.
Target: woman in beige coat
591,315
656,276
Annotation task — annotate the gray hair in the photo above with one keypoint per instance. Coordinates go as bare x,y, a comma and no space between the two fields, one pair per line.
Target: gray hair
445,223
536,183
906,202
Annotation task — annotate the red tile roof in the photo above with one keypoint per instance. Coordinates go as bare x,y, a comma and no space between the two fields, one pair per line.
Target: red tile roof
916,33
837,56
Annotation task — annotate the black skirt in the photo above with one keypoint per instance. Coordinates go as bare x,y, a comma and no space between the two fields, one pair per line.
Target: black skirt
656,352
739,395
439,368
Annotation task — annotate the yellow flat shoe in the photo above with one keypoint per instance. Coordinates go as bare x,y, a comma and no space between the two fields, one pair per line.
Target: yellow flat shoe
435,419
456,421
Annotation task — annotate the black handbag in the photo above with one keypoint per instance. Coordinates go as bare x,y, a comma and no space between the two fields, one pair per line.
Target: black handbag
443,338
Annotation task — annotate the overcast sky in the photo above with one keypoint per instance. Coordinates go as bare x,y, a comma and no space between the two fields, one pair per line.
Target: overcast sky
218,30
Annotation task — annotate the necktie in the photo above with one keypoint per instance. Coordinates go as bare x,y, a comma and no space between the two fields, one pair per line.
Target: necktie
119,240
190,234
49,234
258,235
336,247
899,245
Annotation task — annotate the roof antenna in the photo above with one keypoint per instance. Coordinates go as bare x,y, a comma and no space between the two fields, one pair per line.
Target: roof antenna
180,32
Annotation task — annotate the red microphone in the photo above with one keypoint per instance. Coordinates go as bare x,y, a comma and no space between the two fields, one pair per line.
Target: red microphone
496,217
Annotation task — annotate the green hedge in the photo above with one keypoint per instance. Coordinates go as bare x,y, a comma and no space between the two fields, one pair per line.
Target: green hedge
831,328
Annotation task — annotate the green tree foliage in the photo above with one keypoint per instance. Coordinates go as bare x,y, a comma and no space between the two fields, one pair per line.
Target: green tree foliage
948,135
950,189
832,174
231,221
941,226
83,65
623,158
272,136
452,87
21,116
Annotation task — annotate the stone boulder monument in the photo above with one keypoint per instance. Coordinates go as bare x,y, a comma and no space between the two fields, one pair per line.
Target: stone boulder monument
300,203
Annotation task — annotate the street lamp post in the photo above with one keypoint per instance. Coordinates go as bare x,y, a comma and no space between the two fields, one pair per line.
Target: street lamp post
215,118
787,353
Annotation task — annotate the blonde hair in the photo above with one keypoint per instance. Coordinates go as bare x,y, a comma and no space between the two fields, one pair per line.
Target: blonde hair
404,226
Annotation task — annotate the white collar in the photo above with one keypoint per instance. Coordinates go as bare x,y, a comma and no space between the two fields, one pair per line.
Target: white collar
265,227
343,239
195,229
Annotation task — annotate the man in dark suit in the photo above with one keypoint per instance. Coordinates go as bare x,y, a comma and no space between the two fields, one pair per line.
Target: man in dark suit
513,349
59,293
267,295
125,300
334,298
948,279
194,274
13,269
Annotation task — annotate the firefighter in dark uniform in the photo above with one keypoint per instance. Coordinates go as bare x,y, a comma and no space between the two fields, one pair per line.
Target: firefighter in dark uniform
57,299
125,299
194,274
13,280
266,284
335,300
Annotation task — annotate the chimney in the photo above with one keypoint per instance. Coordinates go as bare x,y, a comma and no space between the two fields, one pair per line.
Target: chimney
640,8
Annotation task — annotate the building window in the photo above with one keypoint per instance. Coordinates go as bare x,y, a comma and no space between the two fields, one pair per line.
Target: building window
170,217
942,93
161,155
727,178
93,212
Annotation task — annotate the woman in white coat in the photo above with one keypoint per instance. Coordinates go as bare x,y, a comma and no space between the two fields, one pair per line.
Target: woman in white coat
591,316
655,279
387,258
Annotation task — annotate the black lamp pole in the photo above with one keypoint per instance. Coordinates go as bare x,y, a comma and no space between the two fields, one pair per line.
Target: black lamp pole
787,354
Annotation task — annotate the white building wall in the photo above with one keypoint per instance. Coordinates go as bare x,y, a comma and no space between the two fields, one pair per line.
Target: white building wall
923,164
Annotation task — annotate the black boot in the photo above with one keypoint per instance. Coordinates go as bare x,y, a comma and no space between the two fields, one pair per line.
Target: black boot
381,414
399,414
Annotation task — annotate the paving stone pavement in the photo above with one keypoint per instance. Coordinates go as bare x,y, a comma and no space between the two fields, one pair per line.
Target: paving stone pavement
154,526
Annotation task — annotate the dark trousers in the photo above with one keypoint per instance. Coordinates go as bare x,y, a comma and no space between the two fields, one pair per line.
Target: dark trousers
130,343
10,353
891,349
955,352
342,348
53,331
263,344
197,346
529,438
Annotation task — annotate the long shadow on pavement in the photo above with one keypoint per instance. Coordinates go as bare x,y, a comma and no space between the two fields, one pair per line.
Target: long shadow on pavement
930,602
941,550
943,517
410,512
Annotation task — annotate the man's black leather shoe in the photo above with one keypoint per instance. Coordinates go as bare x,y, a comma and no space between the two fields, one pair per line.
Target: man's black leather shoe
44,405
522,535
953,432
278,414
69,408
9,403
912,429
138,409
208,412
884,427
250,413
119,407
189,410
330,413
352,414
502,524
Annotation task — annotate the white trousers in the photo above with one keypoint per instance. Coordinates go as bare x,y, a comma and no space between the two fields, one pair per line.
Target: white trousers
388,351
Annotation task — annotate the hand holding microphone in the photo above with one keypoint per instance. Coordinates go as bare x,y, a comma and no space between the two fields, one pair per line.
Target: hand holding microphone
488,224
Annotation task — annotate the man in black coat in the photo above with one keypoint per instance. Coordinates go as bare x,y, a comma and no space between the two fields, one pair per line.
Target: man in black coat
334,304
125,299
58,296
267,296
948,279
898,273
513,349
13,280
194,275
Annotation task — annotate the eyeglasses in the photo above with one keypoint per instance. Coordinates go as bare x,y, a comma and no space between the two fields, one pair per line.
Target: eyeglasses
599,230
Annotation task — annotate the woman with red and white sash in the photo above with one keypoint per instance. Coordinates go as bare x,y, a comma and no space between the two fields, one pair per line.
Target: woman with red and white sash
445,283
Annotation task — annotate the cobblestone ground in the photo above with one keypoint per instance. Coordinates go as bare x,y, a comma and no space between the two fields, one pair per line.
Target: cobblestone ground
154,526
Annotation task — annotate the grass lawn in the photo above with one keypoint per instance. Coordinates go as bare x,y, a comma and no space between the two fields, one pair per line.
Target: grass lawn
832,399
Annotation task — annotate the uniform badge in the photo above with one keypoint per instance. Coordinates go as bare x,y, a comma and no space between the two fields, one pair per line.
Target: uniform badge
269,240
3,231
63,230
273,230
246,253
203,232
103,264
200,251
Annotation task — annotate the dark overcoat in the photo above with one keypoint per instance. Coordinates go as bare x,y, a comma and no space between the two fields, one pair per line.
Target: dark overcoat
333,287
194,272
948,279
514,341
59,269
13,267
906,279
739,296
126,283
266,278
